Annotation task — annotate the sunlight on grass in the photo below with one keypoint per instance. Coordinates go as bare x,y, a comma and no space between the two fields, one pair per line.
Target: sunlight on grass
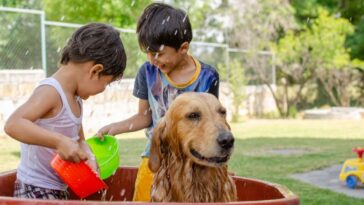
343,129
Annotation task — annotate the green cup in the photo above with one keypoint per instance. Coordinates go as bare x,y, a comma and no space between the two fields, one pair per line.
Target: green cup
106,153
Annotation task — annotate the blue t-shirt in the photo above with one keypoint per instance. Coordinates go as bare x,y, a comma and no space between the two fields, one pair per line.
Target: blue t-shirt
156,87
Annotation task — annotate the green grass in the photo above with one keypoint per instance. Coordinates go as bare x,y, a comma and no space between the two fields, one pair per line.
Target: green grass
321,144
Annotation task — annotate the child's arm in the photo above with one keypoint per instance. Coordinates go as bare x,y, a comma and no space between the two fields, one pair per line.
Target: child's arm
140,120
91,160
44,103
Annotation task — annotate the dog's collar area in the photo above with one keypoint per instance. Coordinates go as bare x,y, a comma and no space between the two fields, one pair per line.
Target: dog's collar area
209,159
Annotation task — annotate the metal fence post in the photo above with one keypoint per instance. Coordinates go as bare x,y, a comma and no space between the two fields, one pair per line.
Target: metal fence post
43,42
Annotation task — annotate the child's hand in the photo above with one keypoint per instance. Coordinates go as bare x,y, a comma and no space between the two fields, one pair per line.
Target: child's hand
71,151
91,162
108,129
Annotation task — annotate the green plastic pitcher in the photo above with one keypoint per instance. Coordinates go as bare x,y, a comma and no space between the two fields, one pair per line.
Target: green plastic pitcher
106,153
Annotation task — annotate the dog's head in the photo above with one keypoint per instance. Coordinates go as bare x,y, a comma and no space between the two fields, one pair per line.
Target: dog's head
195,127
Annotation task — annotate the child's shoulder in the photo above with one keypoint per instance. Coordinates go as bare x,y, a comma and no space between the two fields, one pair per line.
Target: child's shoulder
208,68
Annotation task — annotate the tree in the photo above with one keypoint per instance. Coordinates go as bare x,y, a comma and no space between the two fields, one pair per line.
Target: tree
318,52
119,13
296,70
253,25
237,85
14,45
335,69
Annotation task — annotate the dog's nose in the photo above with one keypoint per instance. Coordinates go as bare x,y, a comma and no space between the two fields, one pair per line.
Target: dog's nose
225,140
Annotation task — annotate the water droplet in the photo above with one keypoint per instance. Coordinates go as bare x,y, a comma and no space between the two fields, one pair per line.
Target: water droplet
175,33
308,20
26,52
122,193
156,55
184,18
161,47
185,31
133,3
62,18
131,126
163,21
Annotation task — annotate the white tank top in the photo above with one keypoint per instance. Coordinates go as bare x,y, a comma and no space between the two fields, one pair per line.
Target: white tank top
35,168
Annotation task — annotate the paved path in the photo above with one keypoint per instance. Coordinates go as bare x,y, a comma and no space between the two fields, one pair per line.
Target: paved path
329,179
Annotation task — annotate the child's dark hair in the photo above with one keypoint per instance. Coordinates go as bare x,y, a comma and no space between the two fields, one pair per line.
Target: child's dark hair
99,43
161,24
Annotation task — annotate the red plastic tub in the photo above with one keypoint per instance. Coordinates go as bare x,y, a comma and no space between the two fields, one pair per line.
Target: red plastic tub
121,188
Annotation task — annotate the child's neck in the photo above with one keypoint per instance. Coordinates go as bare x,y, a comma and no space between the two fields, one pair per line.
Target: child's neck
66,77
184,71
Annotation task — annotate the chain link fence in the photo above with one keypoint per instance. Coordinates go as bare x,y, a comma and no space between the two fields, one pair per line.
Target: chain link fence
29,42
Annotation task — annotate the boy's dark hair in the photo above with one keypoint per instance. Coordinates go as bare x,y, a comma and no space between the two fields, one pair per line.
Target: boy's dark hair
161,24
100,43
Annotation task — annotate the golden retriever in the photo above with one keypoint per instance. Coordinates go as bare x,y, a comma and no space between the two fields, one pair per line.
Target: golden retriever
189,152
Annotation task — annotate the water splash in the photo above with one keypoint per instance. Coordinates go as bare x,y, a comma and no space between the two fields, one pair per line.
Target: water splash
161,48
103,195
122,193
184,18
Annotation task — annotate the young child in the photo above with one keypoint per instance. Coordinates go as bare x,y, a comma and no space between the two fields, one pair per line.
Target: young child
50,121
164,33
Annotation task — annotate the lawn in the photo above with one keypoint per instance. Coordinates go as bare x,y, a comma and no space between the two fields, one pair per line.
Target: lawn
314,145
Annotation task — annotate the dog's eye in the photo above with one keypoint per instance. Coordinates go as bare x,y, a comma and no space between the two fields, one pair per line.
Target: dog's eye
194,116
222,111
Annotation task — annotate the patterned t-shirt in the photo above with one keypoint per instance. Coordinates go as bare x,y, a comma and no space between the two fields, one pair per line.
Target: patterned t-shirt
156,87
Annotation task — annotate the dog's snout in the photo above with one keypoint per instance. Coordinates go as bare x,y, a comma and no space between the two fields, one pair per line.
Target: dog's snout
225,140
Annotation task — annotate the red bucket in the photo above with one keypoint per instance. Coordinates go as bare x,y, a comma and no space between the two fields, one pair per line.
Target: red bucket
78,176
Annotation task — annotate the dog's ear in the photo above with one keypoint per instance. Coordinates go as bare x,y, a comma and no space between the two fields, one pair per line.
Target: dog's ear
155,149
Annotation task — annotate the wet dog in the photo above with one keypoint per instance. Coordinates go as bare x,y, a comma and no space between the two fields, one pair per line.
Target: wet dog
190,148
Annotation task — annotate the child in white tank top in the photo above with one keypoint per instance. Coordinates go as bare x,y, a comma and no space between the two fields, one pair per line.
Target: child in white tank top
50,121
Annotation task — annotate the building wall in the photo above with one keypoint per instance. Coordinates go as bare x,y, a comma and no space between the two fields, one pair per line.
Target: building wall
115,103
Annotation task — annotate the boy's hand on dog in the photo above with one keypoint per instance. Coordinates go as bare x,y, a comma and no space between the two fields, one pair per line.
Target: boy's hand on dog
70,150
